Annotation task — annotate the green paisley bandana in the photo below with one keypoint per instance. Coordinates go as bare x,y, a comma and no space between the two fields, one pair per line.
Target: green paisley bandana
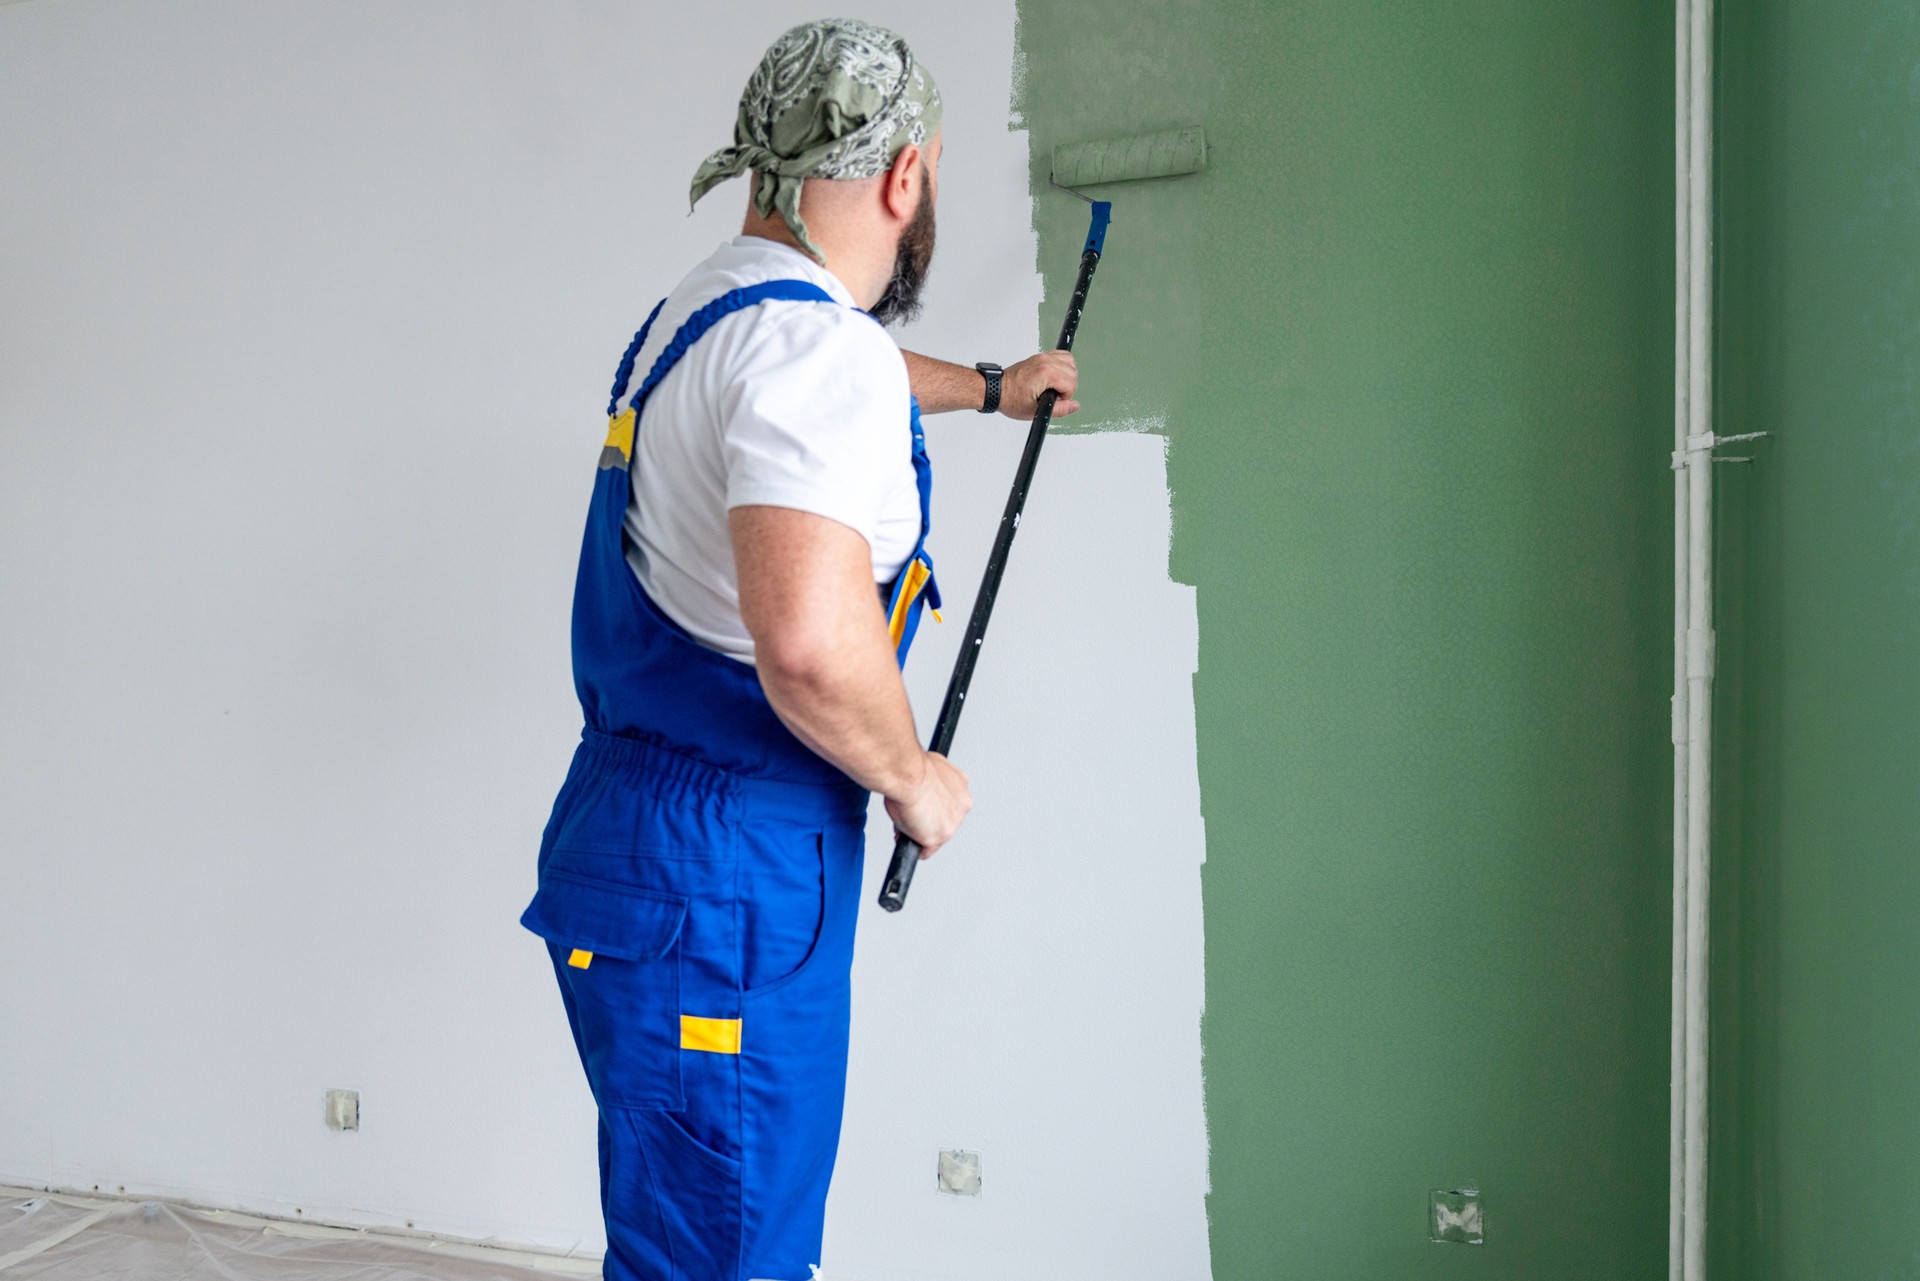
837,98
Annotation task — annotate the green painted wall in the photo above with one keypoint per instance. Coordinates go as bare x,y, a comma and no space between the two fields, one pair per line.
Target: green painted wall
1816,1121
1411,341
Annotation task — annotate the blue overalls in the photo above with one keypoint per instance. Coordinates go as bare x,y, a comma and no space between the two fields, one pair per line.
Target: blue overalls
699,880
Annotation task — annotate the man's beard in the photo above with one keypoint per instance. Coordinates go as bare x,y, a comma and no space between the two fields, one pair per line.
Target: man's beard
901,298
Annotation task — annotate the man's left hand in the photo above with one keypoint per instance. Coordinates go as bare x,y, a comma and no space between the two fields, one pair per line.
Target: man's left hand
1022,385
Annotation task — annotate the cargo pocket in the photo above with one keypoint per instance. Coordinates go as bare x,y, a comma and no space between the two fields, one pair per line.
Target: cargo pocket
674,1204
785,911
616,949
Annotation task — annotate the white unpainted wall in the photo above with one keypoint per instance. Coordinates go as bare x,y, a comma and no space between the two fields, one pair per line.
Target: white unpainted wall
307,314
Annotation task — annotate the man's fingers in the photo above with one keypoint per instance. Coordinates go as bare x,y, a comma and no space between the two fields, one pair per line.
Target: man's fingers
926,850
1065,373
1061,408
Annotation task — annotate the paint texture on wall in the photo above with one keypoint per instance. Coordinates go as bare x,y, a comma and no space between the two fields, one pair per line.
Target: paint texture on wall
1815,1142
1410,338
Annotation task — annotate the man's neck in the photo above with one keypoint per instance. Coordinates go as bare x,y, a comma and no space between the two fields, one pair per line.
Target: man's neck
864,274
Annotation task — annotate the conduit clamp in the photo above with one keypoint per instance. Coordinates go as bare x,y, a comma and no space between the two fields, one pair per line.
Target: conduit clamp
1706,441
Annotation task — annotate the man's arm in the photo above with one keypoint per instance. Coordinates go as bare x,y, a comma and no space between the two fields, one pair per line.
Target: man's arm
827,664
942,387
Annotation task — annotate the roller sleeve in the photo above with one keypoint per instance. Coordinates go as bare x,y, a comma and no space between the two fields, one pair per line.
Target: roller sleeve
1146,155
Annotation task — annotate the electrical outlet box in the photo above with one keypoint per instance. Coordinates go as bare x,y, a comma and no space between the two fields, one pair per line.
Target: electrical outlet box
1453,1217
958,1173
343,1109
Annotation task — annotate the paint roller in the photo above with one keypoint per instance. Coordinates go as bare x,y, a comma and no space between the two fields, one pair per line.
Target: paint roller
1165,154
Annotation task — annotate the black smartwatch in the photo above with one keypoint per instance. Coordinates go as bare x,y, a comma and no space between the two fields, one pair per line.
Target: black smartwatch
991,372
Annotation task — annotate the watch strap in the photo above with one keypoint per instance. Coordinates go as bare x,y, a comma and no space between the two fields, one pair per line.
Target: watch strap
992,373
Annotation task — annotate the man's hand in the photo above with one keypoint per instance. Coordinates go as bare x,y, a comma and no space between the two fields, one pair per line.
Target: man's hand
930,812
1022,385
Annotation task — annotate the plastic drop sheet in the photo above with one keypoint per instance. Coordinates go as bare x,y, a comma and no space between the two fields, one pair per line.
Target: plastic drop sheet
58,1238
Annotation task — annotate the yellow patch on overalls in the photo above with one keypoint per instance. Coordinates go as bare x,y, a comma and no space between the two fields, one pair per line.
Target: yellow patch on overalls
715,1036
580,959
917,575
620,433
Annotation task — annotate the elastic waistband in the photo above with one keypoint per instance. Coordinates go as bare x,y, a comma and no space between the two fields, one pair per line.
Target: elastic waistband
636,761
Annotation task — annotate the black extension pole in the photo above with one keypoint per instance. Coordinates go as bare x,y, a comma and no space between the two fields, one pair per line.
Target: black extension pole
906,851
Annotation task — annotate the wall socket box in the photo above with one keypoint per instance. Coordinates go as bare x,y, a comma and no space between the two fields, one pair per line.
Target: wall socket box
958,1173
1453,1217
343,1109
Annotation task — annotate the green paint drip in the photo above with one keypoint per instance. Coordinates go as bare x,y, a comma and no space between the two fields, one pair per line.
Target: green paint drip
1410,335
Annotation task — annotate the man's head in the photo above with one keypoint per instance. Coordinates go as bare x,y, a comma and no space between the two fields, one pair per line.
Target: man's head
840,126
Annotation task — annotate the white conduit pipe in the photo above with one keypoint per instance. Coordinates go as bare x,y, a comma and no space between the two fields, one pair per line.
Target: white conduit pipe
1677,1068
1700,443
1693,461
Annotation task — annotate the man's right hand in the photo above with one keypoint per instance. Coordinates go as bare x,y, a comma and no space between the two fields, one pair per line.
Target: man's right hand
931,812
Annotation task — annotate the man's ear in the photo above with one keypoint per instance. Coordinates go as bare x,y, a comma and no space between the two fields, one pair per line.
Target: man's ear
900,192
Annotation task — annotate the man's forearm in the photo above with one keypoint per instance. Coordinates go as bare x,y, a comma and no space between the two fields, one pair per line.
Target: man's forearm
942,387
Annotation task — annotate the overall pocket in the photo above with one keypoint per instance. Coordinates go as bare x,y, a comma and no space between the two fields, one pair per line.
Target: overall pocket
784,901
616,949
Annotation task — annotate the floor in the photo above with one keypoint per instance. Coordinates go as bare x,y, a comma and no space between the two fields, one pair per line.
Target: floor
52,1237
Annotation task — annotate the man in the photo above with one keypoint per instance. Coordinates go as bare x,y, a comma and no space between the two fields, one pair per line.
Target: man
753,570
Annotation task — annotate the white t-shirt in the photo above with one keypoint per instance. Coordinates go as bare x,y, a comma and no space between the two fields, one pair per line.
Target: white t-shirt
784,404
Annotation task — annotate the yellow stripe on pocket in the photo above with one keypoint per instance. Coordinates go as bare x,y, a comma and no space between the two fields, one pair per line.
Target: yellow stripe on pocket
715,1036
580,959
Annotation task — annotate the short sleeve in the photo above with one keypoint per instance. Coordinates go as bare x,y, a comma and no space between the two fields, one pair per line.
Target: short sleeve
817,419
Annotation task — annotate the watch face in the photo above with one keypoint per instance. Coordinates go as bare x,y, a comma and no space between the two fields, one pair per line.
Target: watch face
986,367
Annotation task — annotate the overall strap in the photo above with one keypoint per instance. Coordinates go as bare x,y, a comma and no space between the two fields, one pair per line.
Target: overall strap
922,472
626,361
914,587
704,319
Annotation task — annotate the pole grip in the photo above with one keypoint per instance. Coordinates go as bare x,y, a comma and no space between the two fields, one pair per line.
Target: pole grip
1097,227
906,857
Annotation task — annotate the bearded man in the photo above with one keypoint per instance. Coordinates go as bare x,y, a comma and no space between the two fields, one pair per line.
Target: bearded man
754,567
